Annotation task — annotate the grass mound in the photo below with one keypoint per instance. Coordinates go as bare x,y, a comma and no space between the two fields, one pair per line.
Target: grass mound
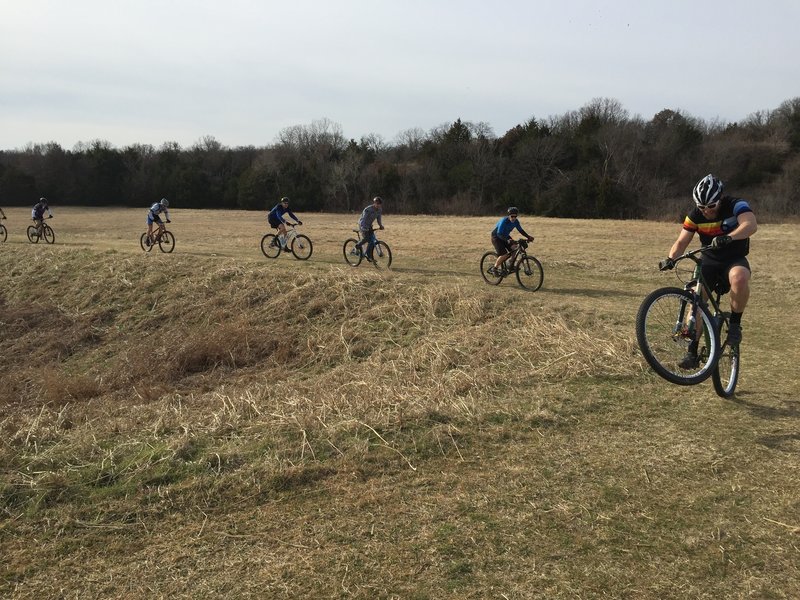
191,425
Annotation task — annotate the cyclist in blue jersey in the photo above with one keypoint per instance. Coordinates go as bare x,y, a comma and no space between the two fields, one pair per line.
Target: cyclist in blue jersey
277,221
156,209
726,224
369,215
501,238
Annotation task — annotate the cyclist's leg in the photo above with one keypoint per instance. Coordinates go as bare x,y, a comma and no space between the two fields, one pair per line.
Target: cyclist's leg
282,233
503,251
371,244
364,234
739,278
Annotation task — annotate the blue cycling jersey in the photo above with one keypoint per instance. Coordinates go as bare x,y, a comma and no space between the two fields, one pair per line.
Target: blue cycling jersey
505,226
278,211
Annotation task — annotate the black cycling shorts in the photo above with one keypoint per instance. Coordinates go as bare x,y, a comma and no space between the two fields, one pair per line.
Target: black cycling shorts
716,273
501,246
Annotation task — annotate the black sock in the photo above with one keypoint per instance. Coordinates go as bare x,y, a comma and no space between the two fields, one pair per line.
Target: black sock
693,347
736,317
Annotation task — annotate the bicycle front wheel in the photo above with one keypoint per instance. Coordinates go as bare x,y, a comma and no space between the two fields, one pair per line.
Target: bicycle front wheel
302,247
166,242
48,233
3,233
33,234
352,252
382,255
530,273
726,372
270,246
487,262
664,336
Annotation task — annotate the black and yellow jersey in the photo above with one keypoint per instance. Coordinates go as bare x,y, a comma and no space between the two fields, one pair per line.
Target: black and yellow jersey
726,220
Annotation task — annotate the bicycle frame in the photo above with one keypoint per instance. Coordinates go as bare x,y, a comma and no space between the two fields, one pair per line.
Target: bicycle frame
702,296
373,239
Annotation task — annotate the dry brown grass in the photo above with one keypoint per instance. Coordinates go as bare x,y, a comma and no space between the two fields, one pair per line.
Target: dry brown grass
214,424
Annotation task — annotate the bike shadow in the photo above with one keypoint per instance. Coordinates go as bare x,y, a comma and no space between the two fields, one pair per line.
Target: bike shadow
593,292
789,410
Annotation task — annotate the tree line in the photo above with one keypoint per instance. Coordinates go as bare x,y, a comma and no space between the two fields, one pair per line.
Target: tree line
594,162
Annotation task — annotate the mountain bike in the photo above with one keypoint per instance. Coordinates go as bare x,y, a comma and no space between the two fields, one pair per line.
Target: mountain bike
671,318
528,269
3,232
163,238
296,243
354,253
42,230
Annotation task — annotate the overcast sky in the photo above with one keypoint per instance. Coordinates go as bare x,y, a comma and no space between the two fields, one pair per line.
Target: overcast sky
152,71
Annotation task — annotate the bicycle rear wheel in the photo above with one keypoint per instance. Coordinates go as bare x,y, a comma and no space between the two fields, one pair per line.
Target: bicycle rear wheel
270,245
382,255
143,243
3,233
166,242
530,273
352,252
487,262
664,337
302,247
726,372
33,234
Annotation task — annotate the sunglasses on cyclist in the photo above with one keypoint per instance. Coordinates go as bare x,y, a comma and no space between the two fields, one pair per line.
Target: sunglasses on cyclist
711,206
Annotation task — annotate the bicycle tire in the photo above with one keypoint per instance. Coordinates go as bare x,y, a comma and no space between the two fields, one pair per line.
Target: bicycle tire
726,372
33,235
3,233
352,252
268,248
487,261
530,274
663,349
143,243
166,242
302,248
382,255
48,234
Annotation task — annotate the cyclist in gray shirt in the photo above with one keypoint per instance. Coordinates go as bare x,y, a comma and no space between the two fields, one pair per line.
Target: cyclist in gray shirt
368,216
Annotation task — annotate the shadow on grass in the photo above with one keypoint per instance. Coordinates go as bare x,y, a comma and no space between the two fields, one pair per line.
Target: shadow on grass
788,442
788,409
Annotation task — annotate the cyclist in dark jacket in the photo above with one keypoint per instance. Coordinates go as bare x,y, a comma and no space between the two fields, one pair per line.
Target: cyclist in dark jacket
276,220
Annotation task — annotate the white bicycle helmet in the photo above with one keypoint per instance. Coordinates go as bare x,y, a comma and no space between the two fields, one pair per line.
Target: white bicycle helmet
708,191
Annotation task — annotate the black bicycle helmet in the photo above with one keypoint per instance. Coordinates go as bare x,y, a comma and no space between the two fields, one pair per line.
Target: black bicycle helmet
708,191
512,210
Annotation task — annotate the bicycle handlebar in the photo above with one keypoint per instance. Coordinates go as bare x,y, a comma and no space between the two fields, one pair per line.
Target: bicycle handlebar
692,254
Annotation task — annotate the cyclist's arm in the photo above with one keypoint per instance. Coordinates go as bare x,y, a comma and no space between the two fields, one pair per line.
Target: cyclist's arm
521,230
747,226
680,245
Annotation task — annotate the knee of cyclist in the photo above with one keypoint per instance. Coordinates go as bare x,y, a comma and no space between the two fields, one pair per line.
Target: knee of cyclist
739,281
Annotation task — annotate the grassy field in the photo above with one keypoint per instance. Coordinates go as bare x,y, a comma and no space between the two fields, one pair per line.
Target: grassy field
211,423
